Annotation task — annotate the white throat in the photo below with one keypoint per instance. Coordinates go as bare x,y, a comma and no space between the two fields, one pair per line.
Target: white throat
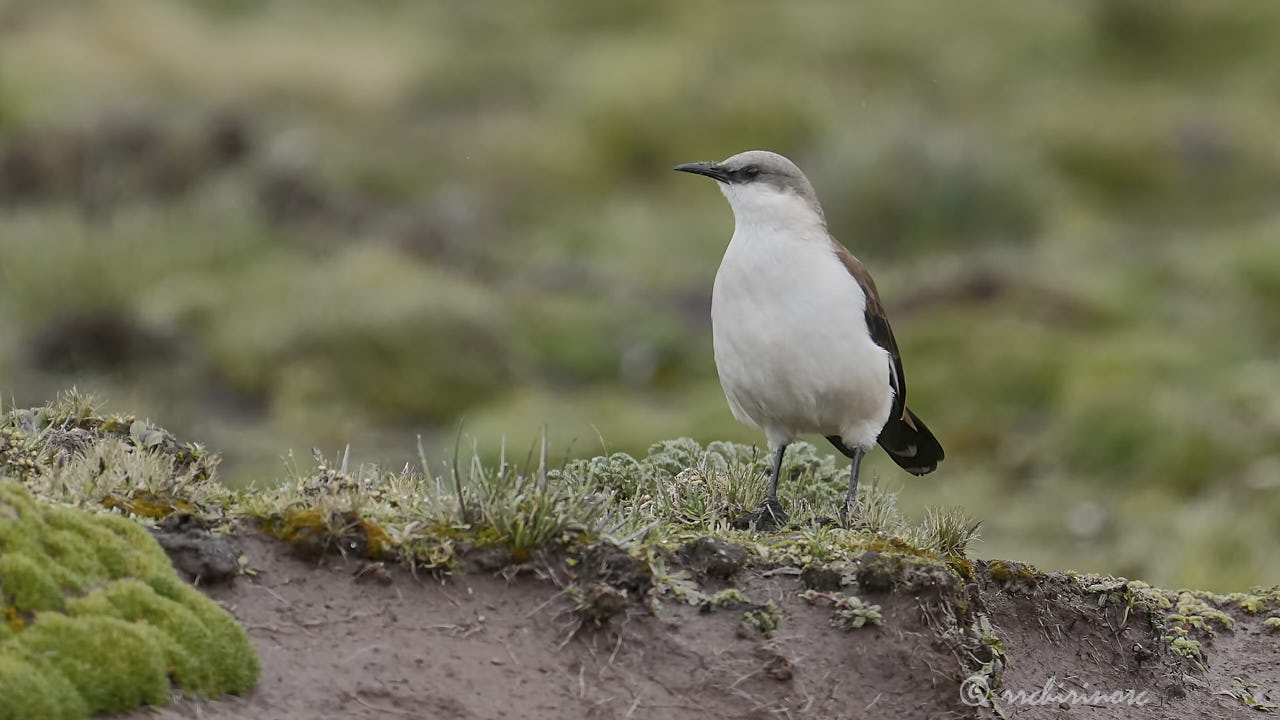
759,208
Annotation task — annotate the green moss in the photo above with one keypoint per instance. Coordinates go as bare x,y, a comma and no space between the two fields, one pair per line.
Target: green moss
111,550
1272,624
28,584
183,635
91,604
148,557
11,622
34,688
112,664
74,554
234,663
15,503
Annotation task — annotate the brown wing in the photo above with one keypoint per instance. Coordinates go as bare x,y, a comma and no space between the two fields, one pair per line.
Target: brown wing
904,436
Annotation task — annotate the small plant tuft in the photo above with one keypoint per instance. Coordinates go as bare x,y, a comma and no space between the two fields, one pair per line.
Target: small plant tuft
764,617
851,612
597,603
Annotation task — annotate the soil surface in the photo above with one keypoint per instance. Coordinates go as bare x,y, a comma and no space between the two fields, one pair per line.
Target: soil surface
345,638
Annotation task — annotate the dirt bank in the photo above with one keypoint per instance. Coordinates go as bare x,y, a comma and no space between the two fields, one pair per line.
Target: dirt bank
341,638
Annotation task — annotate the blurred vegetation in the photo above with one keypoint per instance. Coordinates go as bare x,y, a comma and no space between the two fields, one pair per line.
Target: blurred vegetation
293,224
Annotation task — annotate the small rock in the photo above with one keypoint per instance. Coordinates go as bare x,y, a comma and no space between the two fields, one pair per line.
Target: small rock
822,578
713,557
375,571
603,602
610,564
769,516
777,665
196,552
877,573
487,560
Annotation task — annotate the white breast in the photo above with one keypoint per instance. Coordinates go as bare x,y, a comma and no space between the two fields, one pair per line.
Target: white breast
791,343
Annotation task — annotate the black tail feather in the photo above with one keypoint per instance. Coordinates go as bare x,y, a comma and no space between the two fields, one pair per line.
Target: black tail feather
910,444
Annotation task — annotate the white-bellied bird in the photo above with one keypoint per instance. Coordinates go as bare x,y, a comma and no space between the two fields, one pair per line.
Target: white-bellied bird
802,344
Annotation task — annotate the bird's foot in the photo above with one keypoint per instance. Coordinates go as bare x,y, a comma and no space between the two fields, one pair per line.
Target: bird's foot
849,512
769,516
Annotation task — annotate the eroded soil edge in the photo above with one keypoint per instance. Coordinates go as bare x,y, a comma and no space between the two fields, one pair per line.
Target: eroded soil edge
591,635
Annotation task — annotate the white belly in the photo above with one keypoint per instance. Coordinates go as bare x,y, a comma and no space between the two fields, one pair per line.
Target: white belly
791,343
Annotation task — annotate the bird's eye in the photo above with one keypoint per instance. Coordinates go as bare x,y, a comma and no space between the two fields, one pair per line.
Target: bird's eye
751,171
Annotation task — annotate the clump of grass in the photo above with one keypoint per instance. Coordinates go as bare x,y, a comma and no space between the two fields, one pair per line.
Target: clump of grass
877,512
425,516
525,512
948,531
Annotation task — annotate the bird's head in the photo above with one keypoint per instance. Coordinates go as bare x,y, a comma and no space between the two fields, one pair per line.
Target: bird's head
763,188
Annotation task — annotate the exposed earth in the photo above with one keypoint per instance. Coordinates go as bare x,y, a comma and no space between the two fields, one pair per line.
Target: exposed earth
341,637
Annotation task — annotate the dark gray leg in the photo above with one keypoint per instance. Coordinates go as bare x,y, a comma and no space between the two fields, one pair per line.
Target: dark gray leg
770,515
851,500
777,470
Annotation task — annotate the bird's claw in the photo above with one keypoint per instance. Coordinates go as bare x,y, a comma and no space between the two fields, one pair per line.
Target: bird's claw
769,516
848,511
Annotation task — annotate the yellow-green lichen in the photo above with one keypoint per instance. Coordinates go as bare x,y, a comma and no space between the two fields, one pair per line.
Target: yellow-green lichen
962,565
1008,571
148,505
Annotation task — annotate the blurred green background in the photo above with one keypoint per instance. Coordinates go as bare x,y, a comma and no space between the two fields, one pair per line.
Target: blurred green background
278,225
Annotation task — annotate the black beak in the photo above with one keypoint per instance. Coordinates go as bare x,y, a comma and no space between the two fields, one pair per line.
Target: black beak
711,170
